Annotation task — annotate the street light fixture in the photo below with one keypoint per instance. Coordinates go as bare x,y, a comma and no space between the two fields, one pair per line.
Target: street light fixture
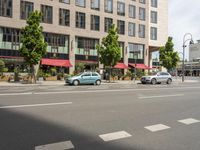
184,46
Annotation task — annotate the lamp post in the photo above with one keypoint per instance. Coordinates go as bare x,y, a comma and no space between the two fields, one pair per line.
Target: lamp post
184,46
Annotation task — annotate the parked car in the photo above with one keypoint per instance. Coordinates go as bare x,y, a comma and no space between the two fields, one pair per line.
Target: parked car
85,78
158,77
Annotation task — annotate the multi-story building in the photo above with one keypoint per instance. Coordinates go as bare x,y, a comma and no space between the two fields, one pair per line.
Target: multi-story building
72,28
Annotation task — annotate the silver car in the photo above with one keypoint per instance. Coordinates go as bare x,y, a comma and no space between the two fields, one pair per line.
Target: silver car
158,77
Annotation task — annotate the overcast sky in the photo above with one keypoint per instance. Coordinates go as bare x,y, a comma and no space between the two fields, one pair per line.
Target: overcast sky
184,17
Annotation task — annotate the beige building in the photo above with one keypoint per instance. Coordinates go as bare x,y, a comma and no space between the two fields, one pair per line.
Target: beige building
72,28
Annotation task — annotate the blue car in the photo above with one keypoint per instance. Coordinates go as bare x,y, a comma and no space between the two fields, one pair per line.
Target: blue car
85,78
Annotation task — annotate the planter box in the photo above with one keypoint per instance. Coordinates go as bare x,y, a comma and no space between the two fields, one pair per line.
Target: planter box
4,78
52,78
127,78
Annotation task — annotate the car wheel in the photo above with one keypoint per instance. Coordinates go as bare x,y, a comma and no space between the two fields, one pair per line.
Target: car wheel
169,81
75,82
98,82
153,81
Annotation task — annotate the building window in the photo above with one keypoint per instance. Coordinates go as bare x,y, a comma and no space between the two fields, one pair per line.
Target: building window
153,33
95,22
55,40
80,3
26,9
65,1
95,4
142,1
121,8
47,14
153,17
108,6
136,51
131,29
121,26
141,31
108,23
142,14
132,11
64,17
86,46
80,20
154,3
6,8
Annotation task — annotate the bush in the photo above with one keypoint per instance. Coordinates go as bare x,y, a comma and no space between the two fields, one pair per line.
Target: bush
5,69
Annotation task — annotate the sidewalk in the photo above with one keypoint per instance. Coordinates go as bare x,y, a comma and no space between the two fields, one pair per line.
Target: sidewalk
104,82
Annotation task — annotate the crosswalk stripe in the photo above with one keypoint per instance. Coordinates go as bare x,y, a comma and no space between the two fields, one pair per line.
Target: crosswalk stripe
114,136
157,127
56,146
189,121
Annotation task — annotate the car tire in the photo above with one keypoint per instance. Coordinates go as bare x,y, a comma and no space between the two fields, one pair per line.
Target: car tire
98,82
169,81
153,81
75,82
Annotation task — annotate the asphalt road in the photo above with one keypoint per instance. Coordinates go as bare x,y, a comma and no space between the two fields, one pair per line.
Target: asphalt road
107,117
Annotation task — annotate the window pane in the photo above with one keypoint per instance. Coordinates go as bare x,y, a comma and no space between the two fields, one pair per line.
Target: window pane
108,23
142,14
108,6
95,22
65,1
142,31
121,26
131,29
153,33
121,8
64,15
153,17
95,4
80,20
132,11
6,8
80,3
26,9
47,14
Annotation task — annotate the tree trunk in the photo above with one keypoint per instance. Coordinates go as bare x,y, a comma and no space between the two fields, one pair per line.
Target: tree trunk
110,73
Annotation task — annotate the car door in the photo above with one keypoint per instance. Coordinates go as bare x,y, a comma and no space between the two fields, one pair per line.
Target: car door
94,77
163,76
86,78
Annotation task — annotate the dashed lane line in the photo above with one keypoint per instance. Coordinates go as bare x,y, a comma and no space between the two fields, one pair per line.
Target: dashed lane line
160,96
35,105
56,146
114,136
157,127
189,121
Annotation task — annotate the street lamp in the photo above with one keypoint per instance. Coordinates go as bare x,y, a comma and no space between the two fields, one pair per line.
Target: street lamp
184,46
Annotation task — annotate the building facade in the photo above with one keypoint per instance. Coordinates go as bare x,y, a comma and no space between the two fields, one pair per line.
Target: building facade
72,28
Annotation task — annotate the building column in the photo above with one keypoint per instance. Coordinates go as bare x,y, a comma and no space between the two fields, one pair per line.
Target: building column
72,48
126,55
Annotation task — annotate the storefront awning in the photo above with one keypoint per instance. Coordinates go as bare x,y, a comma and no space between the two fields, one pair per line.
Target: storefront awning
139,66
121,66
56,62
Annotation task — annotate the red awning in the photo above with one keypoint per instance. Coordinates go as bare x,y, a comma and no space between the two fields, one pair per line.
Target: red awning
121,66
56,62
139,66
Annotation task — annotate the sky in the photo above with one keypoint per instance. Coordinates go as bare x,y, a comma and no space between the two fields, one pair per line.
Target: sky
184,17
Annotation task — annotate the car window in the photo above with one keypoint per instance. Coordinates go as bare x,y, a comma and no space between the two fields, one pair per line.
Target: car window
95,74
164,74
86,75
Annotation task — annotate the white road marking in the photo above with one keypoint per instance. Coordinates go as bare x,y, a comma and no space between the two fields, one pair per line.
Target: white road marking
114,136
11,94
157,127
35,105
188,121
160,96
96,91
56,146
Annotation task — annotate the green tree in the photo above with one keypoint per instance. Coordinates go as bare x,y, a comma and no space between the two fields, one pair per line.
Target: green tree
109,49
168,56
2,65
33,45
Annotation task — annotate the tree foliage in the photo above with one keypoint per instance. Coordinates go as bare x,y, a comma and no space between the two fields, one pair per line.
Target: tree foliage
2,65
168,56
33,46
109,49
